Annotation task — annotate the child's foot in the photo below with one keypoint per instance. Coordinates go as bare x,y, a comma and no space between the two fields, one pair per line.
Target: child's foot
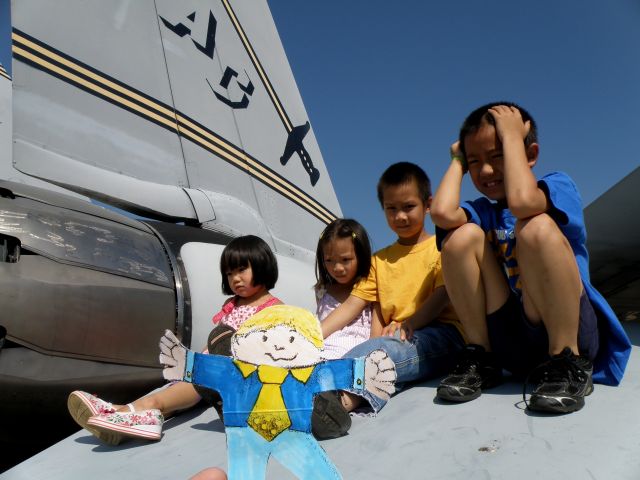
562,383
329,418
82,406
113,427
476,370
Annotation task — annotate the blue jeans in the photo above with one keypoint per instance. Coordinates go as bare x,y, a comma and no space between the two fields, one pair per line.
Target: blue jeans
431,352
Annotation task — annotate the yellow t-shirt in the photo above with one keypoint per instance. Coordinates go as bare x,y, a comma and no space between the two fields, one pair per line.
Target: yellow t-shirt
401,278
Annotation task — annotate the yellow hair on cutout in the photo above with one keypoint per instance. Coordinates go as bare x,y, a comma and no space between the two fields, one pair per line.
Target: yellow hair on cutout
296,318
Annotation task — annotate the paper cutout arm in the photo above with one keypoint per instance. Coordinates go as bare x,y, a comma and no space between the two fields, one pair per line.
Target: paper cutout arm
173,355
180,363
376,373
379,374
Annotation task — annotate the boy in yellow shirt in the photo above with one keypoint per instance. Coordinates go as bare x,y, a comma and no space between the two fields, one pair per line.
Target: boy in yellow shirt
414,324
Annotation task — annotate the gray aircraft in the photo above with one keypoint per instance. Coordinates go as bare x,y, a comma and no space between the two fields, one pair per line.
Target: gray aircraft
184,119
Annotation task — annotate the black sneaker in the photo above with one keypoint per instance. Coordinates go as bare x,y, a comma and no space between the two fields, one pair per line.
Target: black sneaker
477,369
562,383
329,418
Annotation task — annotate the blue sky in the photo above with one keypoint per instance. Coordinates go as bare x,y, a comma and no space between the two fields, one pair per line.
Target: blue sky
385,82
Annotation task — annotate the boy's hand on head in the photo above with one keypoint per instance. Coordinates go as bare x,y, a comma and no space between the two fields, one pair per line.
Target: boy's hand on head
509,122
173,356
379,374
455,149
457,156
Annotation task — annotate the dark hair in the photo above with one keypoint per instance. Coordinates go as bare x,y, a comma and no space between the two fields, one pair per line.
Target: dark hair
343,228
401,173
245,251
473,121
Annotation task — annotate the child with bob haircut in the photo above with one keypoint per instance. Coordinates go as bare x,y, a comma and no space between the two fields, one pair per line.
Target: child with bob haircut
249,270
516,269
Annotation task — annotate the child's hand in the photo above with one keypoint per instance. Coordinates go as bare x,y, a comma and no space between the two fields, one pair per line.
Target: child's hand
458,156
401,330
173,355
509,122
379,374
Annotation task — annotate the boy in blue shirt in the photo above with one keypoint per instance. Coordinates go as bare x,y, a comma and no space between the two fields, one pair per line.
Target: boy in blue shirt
516,270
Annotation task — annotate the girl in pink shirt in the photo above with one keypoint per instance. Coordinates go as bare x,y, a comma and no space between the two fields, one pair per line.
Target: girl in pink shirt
249,270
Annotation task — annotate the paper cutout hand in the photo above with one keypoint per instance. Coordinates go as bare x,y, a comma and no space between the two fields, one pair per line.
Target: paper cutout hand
379,374
173,355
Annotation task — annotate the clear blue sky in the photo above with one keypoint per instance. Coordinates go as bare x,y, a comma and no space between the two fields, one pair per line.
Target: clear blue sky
391,81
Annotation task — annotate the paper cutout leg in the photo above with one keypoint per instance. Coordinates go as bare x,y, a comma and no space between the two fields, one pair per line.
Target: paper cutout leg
247,454
301,453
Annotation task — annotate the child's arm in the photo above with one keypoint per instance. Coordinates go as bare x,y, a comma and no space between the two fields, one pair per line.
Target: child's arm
524,198
343,315
446,212
429,310
377,323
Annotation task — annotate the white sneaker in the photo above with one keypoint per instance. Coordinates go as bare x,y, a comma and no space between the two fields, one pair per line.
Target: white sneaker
83,405
113,427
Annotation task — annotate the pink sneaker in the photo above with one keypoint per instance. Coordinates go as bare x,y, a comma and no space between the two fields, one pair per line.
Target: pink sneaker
83,405
112,427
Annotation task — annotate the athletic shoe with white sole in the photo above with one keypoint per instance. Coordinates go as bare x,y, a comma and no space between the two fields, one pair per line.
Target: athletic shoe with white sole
562,382
113,427
476,370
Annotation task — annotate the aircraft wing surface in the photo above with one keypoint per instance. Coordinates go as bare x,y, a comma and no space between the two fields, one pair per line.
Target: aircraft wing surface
414,437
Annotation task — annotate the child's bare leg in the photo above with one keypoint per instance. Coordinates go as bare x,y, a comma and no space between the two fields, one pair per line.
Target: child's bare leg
177,396
475,283
551,282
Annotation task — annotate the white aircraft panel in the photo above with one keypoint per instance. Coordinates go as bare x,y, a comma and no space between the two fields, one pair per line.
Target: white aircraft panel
100,96
231,115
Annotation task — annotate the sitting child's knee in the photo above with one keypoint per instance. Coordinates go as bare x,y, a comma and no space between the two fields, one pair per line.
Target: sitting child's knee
537,231
152,401
462,239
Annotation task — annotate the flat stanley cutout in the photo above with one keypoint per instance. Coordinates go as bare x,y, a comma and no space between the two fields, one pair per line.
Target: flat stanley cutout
267,389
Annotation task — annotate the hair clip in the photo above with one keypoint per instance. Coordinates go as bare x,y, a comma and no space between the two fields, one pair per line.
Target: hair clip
353,234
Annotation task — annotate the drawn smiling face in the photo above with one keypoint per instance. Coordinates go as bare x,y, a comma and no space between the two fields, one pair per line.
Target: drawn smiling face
280,346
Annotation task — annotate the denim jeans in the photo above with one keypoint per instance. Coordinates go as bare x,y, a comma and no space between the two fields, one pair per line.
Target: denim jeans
431,352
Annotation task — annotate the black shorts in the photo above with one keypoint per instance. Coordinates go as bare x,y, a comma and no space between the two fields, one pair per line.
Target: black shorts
520,346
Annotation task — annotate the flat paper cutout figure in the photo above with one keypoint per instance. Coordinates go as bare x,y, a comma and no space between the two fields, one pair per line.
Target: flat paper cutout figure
267,389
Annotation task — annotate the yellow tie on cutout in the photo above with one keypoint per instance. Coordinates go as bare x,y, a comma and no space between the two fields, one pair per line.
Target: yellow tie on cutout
269,416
